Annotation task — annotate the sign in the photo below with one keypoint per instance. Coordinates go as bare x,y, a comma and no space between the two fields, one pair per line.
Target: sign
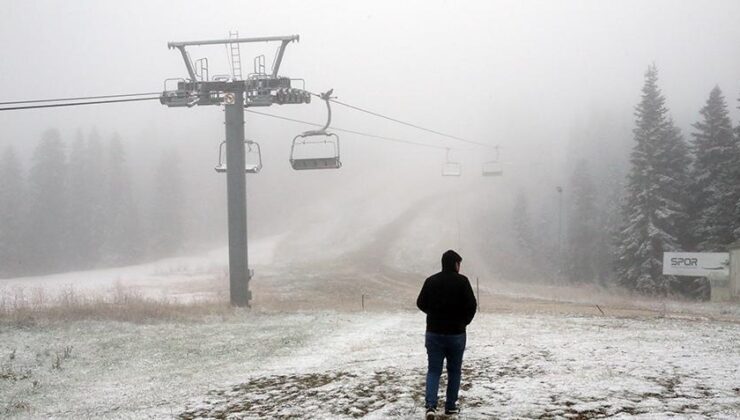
696,264
229,98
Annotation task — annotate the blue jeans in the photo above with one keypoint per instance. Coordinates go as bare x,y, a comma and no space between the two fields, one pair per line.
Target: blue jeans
440,347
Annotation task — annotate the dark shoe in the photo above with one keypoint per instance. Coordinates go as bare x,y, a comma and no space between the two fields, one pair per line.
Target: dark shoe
431,413
452,411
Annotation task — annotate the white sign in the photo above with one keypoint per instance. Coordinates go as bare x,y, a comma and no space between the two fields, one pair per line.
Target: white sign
696,264
229,98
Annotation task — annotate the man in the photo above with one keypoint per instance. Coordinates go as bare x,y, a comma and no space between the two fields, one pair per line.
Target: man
450,305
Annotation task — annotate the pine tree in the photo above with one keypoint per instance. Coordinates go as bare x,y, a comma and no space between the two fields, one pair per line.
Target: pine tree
80,240
737,182
522,224
609,221
12,213
582,226
122,225
654,211
599,140
48,215
673,165
167,219
95,170
715,187
87,201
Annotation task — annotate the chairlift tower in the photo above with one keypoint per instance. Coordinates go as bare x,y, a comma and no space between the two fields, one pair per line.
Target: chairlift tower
259,89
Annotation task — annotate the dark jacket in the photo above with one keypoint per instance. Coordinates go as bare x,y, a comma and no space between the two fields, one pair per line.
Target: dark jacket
448,301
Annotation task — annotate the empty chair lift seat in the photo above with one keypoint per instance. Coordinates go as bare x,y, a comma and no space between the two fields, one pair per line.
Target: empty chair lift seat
252,158
451,169
312,141
492,169
316,163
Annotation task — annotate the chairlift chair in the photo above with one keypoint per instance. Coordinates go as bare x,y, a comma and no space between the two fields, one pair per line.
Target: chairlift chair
493,167
312,139
252,158
451,168
315,140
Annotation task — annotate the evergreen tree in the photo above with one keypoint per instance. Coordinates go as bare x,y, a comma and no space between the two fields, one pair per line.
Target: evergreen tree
737,182
609,221
80,205
675,163
48,216
599,140
582,225
522,225
95,169
167,220
527,262
11,215
715,187
87,201
122,225
654,212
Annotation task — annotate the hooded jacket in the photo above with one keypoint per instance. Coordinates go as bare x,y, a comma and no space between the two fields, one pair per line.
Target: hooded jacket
448,300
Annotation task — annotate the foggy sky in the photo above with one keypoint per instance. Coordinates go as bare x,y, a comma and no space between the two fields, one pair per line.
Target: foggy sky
482,70
519,74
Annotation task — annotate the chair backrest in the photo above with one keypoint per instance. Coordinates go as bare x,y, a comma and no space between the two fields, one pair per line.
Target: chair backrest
492,169
252,165
310,139
451,169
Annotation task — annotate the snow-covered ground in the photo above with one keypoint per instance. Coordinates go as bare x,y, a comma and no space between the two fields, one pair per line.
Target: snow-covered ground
369,365
181,278
306,350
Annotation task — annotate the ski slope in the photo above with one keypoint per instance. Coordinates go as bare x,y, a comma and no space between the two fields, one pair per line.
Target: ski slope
307,350
371,365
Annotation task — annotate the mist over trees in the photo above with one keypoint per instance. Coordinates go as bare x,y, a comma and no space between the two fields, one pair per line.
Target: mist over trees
583,226
716,186
526,243
676,198
622,214
80,210
655,212
77,206
12,211
48,212
166,224
123,235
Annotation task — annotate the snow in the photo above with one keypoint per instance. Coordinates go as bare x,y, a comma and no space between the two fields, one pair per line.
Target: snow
293,357
172,277
371,365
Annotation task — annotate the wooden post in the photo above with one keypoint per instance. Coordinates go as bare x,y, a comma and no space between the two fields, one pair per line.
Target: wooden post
477,292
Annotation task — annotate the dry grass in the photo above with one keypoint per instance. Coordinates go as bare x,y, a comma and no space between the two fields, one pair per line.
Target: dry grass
20,307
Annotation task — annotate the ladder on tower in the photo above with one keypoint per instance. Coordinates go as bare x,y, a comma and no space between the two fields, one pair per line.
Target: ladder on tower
236,61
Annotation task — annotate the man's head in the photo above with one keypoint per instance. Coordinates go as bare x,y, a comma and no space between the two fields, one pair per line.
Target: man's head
451,261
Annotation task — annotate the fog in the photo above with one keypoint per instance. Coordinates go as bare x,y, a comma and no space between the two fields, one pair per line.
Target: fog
617,148
549,82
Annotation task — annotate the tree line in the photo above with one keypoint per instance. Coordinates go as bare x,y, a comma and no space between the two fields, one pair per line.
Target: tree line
677,195
79,209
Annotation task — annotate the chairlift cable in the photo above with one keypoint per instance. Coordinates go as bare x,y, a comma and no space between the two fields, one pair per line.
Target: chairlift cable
359,133
77,103
88,101
418,127
80,98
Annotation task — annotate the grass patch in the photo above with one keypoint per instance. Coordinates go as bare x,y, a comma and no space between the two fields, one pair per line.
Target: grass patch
21,308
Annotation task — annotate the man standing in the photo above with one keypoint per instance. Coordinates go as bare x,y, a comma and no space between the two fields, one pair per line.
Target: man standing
450,305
